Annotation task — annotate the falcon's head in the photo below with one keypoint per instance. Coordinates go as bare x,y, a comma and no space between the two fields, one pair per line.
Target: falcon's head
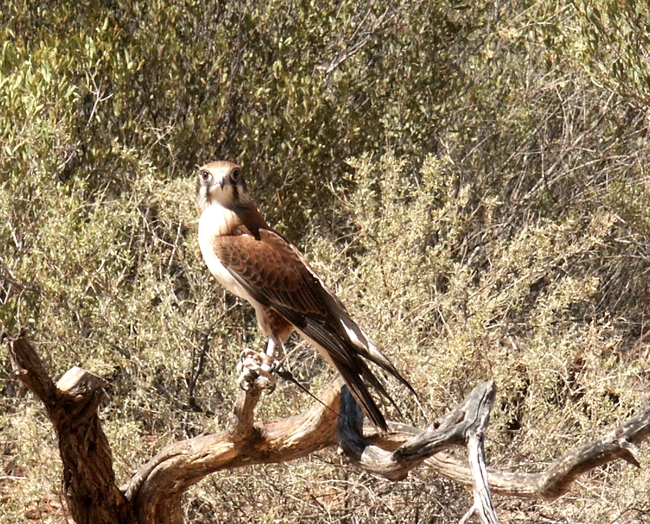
222,183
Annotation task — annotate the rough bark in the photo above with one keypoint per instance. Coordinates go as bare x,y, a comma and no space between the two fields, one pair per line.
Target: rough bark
156,489
154,493
88,477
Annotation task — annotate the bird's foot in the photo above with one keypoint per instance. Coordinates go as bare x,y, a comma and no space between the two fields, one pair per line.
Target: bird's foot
257,369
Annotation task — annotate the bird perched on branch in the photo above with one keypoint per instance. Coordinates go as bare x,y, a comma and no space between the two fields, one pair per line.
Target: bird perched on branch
258,264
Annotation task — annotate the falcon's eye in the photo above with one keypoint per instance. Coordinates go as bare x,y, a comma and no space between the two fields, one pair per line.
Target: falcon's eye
205,176
235,175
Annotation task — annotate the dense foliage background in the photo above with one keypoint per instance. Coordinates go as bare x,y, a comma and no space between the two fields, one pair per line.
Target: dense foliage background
471,178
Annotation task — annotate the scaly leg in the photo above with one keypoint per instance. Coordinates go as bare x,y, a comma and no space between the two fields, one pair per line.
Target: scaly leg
253,366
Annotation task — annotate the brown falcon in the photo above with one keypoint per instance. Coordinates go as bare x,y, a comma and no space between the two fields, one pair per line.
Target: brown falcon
258,264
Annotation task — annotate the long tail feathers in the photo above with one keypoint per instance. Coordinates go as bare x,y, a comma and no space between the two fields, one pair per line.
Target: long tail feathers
362,344
376,356
371,379
362,396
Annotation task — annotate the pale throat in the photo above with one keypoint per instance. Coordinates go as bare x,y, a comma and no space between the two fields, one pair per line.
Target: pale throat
217,220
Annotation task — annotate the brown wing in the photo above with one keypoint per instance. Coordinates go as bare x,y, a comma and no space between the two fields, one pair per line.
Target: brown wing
275,274
271,269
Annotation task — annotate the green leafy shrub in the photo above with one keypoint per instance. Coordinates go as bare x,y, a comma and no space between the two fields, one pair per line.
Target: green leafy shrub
471,179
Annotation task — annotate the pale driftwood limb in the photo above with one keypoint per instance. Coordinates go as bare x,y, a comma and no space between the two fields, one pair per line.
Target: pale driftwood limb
154,493
465,424
549,484
452,429
556,480
88,477
483,505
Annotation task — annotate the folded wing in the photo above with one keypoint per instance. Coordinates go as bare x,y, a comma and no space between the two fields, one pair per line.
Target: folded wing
275,274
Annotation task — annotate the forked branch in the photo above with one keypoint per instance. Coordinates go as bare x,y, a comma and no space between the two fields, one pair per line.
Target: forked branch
88,476
154,493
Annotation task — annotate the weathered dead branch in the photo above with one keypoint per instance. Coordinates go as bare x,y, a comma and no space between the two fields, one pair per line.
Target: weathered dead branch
465,424
88,477
154,493
557,478
452,429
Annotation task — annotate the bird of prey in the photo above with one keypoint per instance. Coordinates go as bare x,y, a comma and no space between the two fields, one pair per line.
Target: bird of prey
258,264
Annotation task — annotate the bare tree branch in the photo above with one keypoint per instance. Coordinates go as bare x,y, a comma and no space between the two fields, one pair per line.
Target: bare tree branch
557,478
154,493
483,505
88,477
